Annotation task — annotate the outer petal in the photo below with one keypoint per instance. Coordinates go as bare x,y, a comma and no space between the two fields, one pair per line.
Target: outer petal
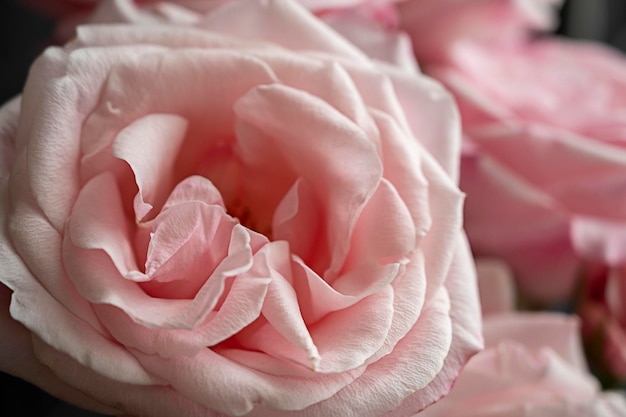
282,22
17,358
467,337
9,116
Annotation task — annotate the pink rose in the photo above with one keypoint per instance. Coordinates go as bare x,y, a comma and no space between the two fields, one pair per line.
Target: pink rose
532,366
435,26
544,156
248,218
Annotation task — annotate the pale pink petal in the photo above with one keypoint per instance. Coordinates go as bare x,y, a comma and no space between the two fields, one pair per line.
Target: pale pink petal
579,172
17,358
404,170
240,308
466,329
385,231
445,203
320,155
369,35
212,380
34,244
9,117
99,281
409,290
207,106
397,372
506,217
67,327
434,118
188,242
297,220
281,308
317,298
53,148
134,400
98,221
324,79
282,22
50,64
194,188
149,145
346,341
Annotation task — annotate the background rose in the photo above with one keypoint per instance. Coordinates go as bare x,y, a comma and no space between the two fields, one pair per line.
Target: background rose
533,363
71,13
135,147
533,366
435,26
543,121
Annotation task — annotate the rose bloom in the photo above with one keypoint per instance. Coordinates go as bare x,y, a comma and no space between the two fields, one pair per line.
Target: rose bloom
435,26
544,160
249,217
532,366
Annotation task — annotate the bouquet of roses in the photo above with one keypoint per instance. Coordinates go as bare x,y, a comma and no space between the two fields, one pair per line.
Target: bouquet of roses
316,208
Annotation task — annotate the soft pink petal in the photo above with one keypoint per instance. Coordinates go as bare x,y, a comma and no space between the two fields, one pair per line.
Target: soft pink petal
53,148
240,308
63,322
403,169
282,22
194,188
281,308
17,358
135,400
98,221
385,231
29,240
319,154
466,330
99,281
445,203
149,145
9,117
213,380
579,172
297,220
369,35
433,117
207,106
397,372
506,217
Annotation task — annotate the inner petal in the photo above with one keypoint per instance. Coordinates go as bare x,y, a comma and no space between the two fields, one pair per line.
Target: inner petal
188,242
150,145
293,134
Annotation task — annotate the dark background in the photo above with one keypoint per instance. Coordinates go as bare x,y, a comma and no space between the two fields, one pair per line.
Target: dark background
24,34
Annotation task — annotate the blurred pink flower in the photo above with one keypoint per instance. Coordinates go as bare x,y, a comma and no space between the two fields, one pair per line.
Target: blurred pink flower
532,366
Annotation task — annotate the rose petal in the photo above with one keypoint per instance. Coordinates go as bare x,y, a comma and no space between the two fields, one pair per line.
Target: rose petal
285,23
17,358
261,109
466,330
149,145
